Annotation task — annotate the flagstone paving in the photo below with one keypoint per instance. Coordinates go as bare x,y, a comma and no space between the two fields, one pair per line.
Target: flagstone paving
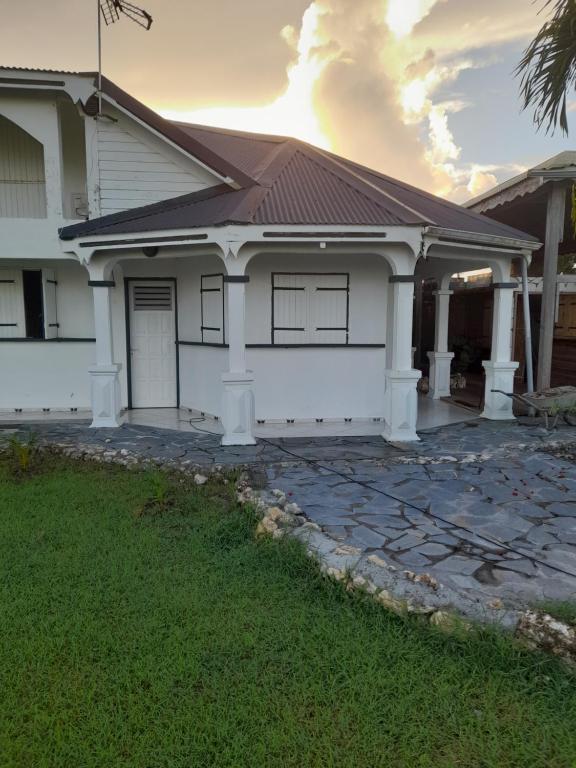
482,506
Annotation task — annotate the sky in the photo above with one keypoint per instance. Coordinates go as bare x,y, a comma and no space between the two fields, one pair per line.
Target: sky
422,90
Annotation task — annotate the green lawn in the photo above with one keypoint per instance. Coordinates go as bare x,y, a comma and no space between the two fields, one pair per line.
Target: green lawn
168,640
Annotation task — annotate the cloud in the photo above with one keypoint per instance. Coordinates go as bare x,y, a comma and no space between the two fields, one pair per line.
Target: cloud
403,15
480,181
368,80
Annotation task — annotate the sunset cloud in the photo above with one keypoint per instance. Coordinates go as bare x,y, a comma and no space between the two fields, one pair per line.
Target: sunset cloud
365,81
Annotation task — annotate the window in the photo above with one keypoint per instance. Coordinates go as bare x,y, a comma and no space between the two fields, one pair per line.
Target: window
28,304
310,308
212,311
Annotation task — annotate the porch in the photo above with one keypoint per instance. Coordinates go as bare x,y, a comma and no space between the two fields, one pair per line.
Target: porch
431,414
287,341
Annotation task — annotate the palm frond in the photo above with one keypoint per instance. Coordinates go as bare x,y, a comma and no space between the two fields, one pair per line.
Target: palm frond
548,67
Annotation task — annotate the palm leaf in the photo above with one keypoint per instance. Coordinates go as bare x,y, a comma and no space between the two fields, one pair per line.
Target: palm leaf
548,67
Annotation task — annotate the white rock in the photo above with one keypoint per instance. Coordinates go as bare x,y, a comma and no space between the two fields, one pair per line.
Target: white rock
200,479
375,560
347,549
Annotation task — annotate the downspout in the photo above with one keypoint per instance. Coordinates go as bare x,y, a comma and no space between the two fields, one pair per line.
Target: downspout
527,327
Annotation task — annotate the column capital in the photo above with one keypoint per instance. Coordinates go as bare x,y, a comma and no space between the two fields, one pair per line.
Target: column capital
505,286
443,292
402,279
101,284
236,278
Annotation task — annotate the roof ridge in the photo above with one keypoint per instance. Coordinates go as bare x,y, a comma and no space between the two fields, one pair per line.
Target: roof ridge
361,186
274,165
463,209
268,138
343,163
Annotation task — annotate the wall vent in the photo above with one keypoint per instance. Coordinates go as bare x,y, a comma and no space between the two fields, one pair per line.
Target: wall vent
152,297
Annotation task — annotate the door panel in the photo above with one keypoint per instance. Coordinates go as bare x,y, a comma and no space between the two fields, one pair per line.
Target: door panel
153,344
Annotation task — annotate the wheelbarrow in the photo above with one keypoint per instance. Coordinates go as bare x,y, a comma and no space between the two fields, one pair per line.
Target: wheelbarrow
550,403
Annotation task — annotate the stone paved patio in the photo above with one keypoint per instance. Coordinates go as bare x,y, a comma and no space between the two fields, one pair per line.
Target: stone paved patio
482,506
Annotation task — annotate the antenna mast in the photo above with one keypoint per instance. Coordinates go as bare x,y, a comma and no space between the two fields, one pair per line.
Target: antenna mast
110,11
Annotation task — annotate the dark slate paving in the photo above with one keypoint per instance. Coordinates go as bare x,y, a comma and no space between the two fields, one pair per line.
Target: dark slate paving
481,505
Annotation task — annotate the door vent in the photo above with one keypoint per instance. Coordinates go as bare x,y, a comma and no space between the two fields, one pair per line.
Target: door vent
147,297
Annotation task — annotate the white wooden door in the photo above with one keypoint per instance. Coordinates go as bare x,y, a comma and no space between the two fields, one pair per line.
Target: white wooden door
153,344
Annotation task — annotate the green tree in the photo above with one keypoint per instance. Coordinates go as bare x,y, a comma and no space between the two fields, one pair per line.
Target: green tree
548,66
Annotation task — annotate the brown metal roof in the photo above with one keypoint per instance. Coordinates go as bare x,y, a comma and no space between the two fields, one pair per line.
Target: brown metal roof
282,181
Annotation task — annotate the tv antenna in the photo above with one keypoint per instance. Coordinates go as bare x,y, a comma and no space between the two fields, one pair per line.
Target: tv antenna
110,11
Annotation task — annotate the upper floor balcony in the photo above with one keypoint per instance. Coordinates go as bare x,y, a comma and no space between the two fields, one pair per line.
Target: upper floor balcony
42,160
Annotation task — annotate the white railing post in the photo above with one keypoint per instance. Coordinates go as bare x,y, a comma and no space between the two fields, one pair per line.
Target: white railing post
500,369
400,397
440,358
237,381
106,397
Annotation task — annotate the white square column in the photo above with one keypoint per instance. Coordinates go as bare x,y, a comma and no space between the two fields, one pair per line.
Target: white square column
105,380
500,369
400,396
440,358
237,382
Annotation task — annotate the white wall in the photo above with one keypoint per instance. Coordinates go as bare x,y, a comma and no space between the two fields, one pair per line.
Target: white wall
45,374
73,159
201,369
318,383
136,168
290,383
302,383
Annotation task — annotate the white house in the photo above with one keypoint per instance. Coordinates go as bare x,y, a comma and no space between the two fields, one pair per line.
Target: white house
146,264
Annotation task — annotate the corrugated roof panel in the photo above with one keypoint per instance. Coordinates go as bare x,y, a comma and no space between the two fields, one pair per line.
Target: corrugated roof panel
440,212
208,207
245,152
306,193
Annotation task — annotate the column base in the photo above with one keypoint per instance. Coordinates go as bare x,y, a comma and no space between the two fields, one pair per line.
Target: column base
401,406
106,399
440,363
238,408
498,407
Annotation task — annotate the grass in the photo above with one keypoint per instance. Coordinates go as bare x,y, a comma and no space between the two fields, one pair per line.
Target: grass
164,636
559,609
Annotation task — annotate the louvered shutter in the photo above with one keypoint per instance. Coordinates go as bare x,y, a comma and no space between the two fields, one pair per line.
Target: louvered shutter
12,317
212,304
50,310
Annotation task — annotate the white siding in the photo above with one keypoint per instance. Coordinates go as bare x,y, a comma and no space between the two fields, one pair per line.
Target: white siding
22,179
137,170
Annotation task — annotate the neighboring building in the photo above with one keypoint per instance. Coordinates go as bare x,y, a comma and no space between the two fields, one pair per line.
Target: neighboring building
539,201
145,264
